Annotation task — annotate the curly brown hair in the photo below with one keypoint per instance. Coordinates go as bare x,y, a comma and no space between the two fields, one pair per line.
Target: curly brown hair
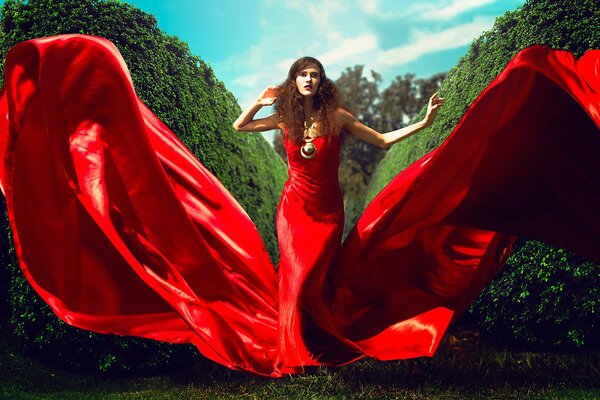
289,102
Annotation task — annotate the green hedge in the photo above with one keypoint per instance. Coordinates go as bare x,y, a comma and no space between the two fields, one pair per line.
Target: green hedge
562,24
544,297
184,92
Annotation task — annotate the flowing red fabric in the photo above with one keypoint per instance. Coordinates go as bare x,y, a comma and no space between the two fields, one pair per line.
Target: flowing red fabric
121,230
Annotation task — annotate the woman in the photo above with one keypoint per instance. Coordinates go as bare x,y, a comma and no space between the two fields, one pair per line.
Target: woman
308,105
120,229
310,216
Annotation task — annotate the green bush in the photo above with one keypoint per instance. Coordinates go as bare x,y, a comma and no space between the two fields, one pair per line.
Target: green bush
183,91
44,336
544,296
5,259
562,24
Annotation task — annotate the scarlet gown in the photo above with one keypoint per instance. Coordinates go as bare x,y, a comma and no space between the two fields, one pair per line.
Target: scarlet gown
121,230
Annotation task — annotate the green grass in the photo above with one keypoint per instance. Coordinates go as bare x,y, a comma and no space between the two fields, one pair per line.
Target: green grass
465,367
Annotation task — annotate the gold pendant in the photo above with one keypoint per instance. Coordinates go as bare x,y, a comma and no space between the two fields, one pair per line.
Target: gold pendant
308,150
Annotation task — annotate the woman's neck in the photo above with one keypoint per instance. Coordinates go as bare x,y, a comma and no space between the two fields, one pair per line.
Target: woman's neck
308,107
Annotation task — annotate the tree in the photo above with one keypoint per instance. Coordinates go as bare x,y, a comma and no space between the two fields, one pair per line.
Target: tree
405,97
358,159
383,111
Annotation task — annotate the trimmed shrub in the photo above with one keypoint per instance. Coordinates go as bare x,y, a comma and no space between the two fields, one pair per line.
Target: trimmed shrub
182,90
562,24
545,296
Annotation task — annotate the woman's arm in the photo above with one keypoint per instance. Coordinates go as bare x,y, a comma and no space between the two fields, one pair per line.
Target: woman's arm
384,141
246,121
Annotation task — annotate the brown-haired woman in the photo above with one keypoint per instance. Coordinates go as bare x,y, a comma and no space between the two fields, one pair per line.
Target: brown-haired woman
310,217
308,104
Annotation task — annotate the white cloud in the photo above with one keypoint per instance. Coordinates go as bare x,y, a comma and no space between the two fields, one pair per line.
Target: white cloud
349,47
453,9
285,63
370,6
293,29
250,58
247,81
321,14
424,10
424,42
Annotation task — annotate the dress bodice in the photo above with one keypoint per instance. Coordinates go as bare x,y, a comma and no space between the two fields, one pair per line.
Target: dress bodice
315,179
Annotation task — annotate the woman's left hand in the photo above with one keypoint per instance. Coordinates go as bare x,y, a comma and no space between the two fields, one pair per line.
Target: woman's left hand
433,107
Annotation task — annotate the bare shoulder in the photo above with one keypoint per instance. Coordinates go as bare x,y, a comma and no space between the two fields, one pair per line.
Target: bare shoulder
344,117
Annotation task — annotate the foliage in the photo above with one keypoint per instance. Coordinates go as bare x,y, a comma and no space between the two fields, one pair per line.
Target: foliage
383,111
184,93
544,296
404,98
358,159
561,24
5,259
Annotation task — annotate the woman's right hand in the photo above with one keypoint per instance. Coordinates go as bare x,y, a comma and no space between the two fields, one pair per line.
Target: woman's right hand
268,97
246,122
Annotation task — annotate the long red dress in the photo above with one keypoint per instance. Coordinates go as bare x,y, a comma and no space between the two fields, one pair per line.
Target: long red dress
121,230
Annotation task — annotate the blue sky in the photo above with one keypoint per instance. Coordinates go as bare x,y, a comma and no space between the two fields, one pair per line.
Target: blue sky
251,44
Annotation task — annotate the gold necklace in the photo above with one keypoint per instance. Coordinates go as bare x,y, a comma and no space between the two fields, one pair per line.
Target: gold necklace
308,149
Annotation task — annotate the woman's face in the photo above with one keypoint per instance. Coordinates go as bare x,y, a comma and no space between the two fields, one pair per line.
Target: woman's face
308,79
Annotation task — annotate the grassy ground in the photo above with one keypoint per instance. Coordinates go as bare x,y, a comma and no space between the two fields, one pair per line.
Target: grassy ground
465,367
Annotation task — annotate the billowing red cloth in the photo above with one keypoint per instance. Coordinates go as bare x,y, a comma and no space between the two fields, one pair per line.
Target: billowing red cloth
121,230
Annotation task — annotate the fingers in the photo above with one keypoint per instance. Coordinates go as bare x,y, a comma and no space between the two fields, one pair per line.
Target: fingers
272,91
269,95
435,100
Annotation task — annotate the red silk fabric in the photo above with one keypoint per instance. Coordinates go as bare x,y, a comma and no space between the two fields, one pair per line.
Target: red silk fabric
121,230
